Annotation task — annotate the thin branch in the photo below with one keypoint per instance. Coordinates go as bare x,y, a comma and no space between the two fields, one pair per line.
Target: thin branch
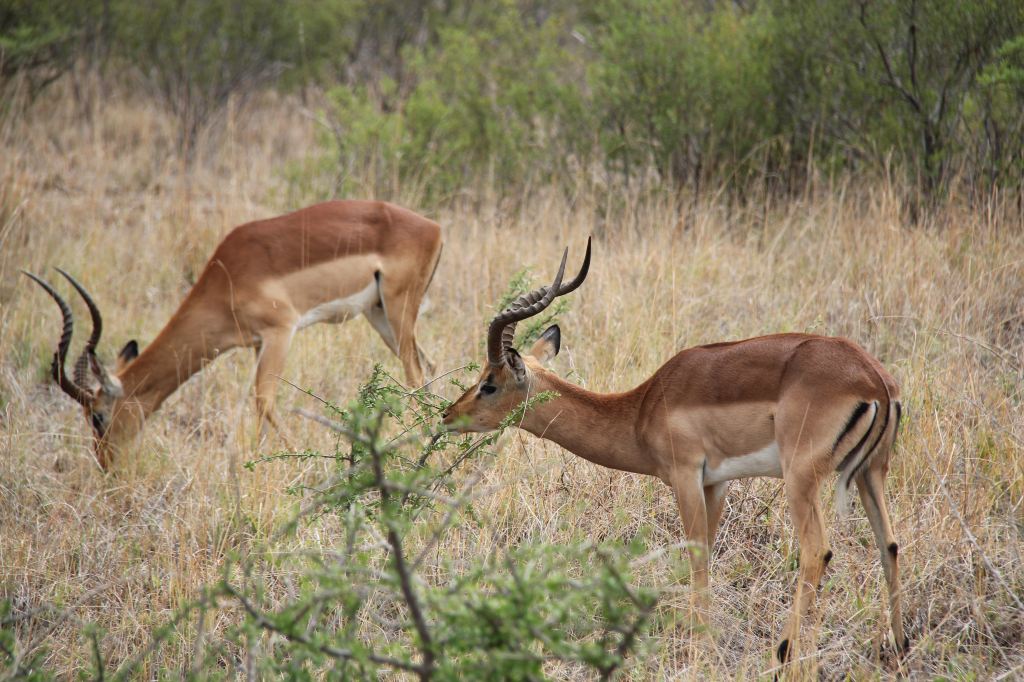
333,652
894,81
397,553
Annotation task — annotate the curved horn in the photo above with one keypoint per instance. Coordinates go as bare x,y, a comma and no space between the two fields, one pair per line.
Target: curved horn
94,312
525,306
94,339
580,276
501,333
57,367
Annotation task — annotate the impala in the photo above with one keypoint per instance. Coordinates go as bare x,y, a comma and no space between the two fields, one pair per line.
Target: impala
789,406
266,280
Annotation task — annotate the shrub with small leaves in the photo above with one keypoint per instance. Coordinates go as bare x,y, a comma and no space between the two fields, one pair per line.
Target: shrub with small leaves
368,604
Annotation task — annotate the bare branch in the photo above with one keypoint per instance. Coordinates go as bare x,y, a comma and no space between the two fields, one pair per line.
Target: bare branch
893,81
333,652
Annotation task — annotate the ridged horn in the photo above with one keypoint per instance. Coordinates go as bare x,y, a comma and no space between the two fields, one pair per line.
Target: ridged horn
57,366
89,352
502,330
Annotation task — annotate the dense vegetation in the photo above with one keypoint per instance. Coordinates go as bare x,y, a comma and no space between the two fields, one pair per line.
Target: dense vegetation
454,94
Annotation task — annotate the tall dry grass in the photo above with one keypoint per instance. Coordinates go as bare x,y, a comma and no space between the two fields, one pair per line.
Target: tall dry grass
940,303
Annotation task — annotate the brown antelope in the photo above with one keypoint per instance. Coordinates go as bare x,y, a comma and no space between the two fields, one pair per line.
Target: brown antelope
789,406
266,280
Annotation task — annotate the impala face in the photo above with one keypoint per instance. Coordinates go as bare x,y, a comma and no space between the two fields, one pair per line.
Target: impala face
506,378
503,388
113,419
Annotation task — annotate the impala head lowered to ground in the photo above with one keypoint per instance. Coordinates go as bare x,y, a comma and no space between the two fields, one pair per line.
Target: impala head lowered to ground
99,392
265,280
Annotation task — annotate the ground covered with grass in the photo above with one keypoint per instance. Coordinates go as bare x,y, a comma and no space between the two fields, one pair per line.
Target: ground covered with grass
92,562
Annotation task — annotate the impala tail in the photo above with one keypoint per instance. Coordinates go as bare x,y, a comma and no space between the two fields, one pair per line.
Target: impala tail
868,443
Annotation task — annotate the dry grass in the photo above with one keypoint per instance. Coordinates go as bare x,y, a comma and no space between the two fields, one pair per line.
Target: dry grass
939,304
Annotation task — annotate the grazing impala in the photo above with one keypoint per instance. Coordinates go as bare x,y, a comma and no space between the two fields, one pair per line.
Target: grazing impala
266,280
790,406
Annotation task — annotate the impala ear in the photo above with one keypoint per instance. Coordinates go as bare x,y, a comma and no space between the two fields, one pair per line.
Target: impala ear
515,363
127,354
547,346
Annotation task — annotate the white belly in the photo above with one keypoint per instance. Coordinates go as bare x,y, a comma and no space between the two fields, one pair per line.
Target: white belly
764,462
341,309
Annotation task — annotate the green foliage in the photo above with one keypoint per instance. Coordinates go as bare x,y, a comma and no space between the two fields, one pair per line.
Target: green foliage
373,599
393,500
196,54
15,662
677,87
437,101
493,103
1000,135
40,39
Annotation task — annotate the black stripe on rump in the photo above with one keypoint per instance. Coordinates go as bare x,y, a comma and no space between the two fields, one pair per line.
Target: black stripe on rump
858,412
871,451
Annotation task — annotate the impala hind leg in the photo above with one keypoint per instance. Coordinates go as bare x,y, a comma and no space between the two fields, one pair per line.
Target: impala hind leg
805,510
870,485
271,353
714,503
394,318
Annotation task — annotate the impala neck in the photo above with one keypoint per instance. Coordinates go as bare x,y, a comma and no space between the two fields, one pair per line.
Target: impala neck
179,351
599,427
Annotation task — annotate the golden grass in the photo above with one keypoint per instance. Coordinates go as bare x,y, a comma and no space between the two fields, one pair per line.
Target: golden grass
939,303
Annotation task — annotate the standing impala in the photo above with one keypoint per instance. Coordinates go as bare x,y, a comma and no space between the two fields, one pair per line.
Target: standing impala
266,280
790,406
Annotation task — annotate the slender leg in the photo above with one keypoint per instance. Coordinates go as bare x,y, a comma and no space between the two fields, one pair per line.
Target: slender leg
272,352
429,365
714,502
870,486
804,508
395,320
690,498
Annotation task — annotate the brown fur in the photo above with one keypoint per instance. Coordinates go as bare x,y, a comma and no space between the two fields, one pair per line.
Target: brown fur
712,404
259,282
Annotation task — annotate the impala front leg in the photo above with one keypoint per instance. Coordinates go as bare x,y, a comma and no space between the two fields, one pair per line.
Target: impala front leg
270,359
687,484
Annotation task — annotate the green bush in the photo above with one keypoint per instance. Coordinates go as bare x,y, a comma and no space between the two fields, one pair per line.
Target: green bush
681,89
197,54
493,104
440,100
40,39
372,599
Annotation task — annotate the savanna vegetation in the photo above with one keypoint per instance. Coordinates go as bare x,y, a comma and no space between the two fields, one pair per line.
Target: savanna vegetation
850,168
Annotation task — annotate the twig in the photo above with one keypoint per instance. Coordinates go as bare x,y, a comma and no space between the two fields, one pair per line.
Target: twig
333,652
324,421
397,553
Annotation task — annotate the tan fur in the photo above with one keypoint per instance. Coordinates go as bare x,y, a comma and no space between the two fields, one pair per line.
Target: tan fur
260,281
712,405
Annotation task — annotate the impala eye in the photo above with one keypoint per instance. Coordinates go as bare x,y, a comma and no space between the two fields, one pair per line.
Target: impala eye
488,389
